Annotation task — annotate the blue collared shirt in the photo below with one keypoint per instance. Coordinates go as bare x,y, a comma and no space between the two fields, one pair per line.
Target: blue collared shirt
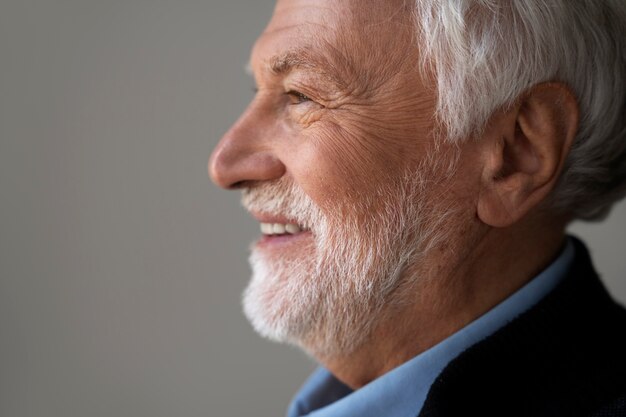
402,391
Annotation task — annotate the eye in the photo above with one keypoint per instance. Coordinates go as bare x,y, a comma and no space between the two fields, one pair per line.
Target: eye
296,97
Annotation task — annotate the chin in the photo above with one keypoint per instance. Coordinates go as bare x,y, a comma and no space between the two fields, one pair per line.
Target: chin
327,302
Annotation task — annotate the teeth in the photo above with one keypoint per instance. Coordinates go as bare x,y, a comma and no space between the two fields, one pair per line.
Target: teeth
267,228
292,228
280,229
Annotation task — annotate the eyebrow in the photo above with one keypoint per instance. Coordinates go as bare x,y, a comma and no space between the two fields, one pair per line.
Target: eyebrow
326,66
284,63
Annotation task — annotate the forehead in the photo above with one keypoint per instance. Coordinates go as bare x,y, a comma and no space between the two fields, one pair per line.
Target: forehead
332,33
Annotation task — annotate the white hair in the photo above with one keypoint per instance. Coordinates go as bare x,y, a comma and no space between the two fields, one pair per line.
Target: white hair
485,53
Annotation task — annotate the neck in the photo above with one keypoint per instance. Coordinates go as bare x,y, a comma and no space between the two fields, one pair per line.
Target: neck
457,290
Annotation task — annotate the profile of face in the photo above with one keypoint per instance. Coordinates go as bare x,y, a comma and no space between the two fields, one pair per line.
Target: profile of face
337,159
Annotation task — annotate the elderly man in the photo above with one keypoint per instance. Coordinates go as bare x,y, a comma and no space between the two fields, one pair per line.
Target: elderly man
413,166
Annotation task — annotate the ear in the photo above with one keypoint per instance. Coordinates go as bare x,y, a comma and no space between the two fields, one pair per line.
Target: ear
525,148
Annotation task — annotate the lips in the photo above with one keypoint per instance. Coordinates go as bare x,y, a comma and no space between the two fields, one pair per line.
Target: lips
278,234
273,229
276,225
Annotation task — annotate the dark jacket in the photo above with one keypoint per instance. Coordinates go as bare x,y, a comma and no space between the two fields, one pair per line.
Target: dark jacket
565,357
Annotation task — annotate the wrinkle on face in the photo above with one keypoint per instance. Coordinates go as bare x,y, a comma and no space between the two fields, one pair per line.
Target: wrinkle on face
370,113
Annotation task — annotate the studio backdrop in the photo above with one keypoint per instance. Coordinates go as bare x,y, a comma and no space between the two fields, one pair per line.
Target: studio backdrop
121,265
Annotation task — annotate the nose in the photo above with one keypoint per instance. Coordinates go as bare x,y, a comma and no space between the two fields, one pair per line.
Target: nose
245,154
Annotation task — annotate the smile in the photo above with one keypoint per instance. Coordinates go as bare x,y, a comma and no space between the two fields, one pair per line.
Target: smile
277,229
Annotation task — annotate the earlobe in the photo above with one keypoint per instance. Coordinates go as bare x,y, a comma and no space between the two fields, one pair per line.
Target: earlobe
526,147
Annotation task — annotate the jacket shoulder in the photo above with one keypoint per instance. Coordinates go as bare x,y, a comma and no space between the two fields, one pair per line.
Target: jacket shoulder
616,409
566,356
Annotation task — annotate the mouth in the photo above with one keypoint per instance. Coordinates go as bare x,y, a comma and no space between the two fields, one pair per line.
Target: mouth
282,229
279,230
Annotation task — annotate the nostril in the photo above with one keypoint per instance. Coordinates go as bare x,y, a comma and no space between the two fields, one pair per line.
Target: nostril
237,185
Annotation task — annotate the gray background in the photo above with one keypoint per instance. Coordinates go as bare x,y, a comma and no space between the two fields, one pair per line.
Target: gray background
121,266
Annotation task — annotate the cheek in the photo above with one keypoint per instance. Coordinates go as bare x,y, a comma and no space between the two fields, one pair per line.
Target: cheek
333,165
363,150
321,174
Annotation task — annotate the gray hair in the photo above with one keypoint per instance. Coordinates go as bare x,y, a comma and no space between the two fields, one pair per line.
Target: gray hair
485,53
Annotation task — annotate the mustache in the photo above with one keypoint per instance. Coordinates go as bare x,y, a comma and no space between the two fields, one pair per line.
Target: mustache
281,198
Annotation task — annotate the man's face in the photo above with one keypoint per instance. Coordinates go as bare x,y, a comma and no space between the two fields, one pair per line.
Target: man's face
335,146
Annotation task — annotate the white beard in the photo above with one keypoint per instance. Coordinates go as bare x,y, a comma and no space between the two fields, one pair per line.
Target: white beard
327,298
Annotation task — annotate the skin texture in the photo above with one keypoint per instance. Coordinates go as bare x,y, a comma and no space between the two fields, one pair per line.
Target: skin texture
342,108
